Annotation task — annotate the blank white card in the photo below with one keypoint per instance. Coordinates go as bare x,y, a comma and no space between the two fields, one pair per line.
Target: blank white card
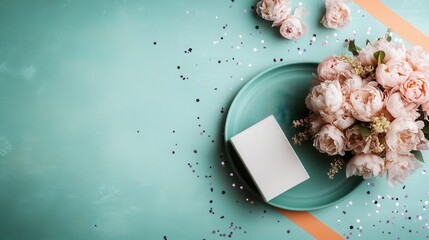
269,158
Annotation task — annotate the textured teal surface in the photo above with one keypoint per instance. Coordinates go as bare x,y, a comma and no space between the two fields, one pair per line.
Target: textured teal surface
112,113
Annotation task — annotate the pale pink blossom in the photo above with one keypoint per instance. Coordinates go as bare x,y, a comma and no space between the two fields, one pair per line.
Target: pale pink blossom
337,14
399,167
273,10
330,140
342,118
415,89
352,83
418,59
366,102
405,135
365,165
366,55
399,107
355,142
315,123
332,68
392,73
293,27
391,51
326,97
326,101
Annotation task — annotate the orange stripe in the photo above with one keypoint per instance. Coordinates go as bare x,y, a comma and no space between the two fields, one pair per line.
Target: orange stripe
312,225
395,22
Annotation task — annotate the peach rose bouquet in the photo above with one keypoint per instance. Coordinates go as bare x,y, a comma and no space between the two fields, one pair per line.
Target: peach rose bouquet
373,105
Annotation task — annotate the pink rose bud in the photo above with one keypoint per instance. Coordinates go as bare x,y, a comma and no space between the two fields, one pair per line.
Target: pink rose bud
337,14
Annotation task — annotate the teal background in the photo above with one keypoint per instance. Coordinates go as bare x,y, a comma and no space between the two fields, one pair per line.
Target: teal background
100,138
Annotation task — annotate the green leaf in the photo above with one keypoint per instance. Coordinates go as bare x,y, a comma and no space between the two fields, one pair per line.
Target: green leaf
379,56
426,128
352,48
367,42
418,155
364,131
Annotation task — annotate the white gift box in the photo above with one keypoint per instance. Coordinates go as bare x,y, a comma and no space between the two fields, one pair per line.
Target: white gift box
269,158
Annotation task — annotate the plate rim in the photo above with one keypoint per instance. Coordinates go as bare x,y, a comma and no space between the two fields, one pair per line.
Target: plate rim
228,148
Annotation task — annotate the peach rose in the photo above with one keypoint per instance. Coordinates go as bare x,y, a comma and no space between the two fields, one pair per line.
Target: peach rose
399,107
365,165
331,68
337,14
326,97
273,10
392,73
405,135
351,83
293,28
418,59
400,167
391,51
415,89
355,142
366,102
330,140
366,55
342,118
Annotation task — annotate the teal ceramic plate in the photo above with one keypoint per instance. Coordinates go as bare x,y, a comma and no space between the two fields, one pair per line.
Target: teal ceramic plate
281,91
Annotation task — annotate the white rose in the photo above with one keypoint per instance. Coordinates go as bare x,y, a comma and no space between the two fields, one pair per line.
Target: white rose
399,167
273,10
330,140
405,135
365,165
366,102
337,14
